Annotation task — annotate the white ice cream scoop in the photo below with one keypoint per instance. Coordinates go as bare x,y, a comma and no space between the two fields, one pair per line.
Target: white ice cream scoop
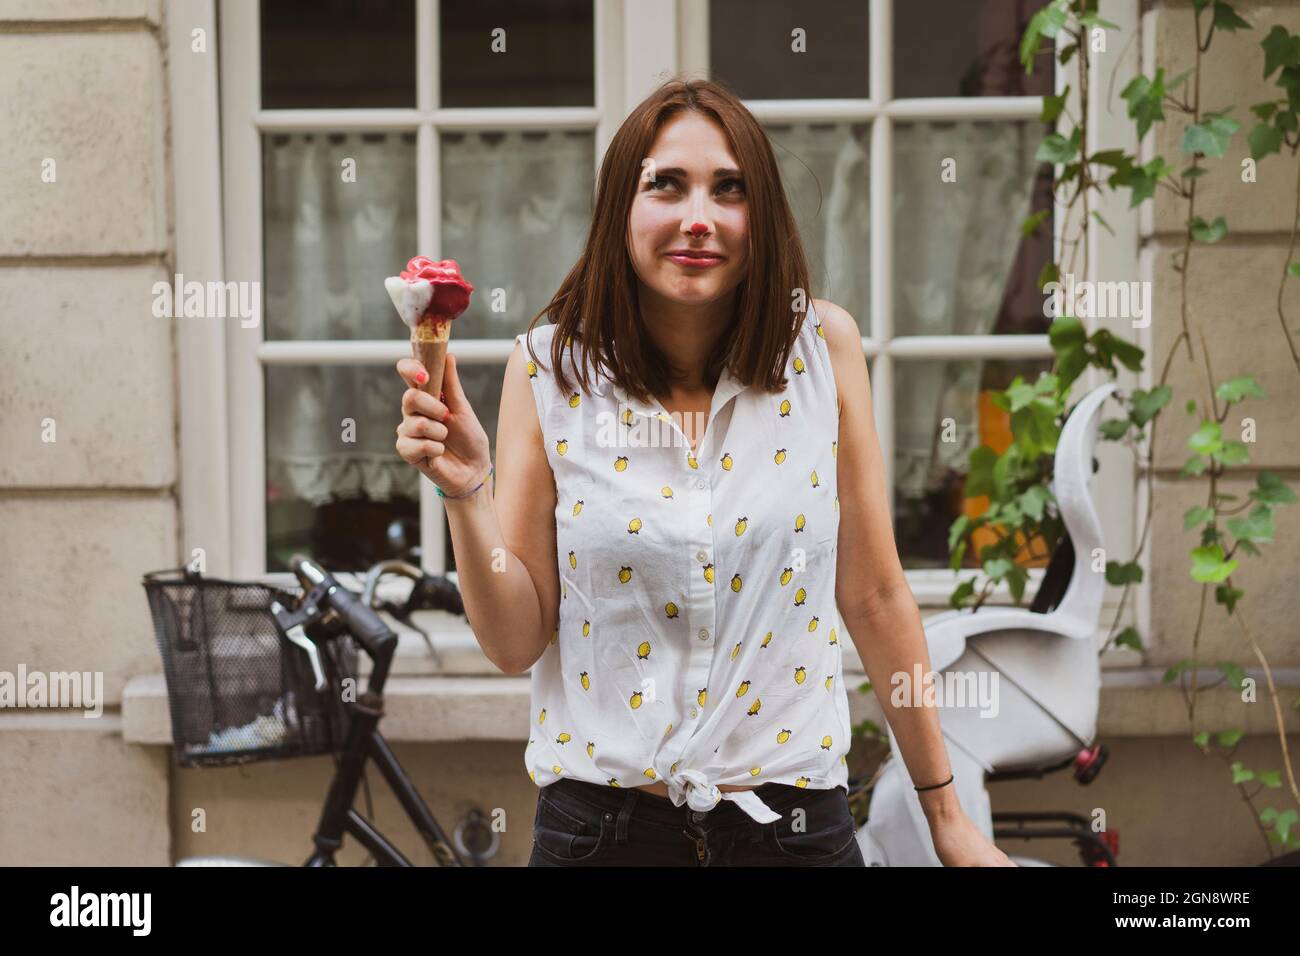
410,298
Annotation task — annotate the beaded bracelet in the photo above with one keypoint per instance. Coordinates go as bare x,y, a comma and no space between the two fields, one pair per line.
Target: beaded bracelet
442,494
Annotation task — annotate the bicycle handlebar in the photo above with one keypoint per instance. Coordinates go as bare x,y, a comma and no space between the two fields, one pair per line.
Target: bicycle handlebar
359,618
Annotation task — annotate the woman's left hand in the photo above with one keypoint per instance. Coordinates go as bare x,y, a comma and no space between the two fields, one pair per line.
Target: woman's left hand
959,842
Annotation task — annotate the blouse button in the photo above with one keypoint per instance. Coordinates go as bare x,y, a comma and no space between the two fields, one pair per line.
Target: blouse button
694,712
701,484
701,556
704,633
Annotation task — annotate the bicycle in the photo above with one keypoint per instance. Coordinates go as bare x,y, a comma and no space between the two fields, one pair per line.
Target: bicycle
255,672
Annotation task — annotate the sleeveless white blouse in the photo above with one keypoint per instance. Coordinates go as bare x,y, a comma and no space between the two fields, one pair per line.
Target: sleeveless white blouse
698,639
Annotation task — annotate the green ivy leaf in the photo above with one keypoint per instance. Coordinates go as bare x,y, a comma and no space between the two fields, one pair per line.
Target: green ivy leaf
1281,49
1046,23
1264,139
979,475
1236,676
1229,738
1056,148
1293,270
1257,526
1271,778
1228,596
1120,573
1053,106
1271,490
1206,439
1211,232
1240,774
1226,18
1233,453
1113,429
1129,638
1195,466
1033,501
1196,515
1209,137
1031,223
1208,565
1241,387
1171,673
962,595
1146,405
1202,738
1145,100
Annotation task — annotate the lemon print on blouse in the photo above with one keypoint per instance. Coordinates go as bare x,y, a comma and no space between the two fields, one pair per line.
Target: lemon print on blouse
800,522
532,774
741,525
635,699
753,708
830,679
812,625
669,730
785,407
767,639
643,650
726,462
541,718
670,609
799,366
620,463
833,639
826,742
612,782
577,507
626,417
666,491
634,526
742,689
563,738
702,696
786,575
574,400
755,771
584,680
735,583
708,573
782,736
815,482
833,451
532,368
565,591
624,574
562,446
591,748
802,782
800,596
690,460
708,519
555,635
779,456
650,772
586,628
736,650
800,674
557,770
573,560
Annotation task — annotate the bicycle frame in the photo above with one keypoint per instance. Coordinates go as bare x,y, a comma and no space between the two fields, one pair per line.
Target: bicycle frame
314,619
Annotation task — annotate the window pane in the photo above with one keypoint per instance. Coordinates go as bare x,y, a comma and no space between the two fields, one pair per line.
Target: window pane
755,51
341,53
339,215
942,413
966,48
961,264
824,168
517,53
516,206
482,383
334,483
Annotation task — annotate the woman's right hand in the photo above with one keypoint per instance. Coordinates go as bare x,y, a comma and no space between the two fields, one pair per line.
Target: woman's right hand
441,438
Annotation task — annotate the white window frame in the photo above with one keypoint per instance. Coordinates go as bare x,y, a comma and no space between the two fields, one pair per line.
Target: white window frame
637,44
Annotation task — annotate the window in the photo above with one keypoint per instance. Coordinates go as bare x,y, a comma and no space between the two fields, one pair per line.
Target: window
358,133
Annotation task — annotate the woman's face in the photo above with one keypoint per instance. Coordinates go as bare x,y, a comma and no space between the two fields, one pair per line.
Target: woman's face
678,189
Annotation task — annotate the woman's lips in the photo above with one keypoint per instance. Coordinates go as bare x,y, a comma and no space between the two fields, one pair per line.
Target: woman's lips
696,262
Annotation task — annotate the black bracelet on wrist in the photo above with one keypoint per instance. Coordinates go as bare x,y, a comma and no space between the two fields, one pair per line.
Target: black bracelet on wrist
934,786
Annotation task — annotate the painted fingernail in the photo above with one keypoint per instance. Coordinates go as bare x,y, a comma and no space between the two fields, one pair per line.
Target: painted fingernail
421,377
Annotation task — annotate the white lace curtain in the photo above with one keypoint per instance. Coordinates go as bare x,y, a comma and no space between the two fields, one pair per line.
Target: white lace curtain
516,206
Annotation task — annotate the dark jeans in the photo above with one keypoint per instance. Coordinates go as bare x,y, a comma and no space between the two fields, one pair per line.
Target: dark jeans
587,824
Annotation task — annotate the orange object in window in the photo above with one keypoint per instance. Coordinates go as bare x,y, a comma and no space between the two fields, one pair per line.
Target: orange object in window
995,431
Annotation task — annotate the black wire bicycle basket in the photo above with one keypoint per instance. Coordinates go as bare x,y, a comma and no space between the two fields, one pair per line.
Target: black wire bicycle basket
237,691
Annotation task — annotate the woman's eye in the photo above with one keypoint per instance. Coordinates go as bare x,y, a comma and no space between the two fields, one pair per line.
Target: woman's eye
653,184
740,186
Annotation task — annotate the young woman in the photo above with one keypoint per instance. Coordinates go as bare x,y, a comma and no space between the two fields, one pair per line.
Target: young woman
662,544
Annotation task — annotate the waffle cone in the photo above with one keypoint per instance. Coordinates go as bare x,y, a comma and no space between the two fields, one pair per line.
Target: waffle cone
429,344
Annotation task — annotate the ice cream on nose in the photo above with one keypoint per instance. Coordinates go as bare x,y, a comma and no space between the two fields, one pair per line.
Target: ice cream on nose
428,296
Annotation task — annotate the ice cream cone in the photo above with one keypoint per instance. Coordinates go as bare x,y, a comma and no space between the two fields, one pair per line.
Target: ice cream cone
428,295
429,341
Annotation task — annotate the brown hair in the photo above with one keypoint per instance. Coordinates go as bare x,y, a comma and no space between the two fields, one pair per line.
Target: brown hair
597,303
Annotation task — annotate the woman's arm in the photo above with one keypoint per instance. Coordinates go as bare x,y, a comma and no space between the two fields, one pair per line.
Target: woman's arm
876,603
505,543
